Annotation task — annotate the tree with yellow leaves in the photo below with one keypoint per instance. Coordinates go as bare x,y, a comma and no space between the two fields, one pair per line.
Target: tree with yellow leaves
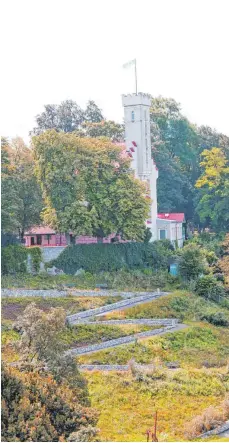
213,206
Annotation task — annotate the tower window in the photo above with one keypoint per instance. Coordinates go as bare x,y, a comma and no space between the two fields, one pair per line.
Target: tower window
132,116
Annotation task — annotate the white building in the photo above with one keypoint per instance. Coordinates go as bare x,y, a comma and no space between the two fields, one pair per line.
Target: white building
138,143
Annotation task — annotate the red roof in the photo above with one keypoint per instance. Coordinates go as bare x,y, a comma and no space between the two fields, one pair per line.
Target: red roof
42,230
175,216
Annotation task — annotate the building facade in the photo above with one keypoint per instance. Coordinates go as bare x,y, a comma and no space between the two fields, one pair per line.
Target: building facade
138,145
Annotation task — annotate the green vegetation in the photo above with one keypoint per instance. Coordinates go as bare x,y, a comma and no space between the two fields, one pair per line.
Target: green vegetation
123,280
113,257
14,259
127,405
89,334
88,187
199,344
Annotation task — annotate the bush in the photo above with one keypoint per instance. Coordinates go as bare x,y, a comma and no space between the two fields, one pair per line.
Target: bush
217,319
191,262
36,256
14,258
208,287
112,257
36,408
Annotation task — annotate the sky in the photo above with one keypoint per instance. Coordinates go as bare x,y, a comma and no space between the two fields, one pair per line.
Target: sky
75,49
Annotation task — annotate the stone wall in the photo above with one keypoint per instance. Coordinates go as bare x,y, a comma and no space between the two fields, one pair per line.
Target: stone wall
49,254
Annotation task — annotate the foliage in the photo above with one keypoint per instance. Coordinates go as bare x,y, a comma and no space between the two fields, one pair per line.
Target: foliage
21,194
87,187
175,151
92,113
191,262
36,256
14,259
66,117
110,257
224,261
214,184
36,408
217,319
207,286
127,409
105,128
80,335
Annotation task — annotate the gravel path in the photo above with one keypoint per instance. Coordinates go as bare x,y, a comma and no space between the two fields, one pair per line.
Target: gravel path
129,299
123,340
17,292
115,306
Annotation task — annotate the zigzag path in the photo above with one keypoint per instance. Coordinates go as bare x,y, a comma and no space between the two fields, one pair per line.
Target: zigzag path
91,316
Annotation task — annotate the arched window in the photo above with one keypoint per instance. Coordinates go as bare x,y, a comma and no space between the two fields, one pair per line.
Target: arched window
132,116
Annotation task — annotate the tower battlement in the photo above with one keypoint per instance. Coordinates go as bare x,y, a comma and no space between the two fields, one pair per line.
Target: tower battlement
136,99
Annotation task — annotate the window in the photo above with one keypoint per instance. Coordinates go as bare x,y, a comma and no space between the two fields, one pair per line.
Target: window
132,116
162,234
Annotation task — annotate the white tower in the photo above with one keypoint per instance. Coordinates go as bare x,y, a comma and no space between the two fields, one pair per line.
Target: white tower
138,139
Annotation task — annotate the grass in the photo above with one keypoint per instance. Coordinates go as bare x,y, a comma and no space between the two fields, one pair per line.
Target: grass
135,280
89,334
127,403
195,346
127,406
178,304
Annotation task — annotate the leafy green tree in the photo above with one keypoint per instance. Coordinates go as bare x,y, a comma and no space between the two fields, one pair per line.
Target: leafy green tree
175,149
213,197
9,200
105,128
208,138
67,117
192,262
87,187
92,113
208,287
21,194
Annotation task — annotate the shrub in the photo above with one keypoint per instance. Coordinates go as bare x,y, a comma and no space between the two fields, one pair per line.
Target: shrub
112,257
208,287
191,262
210,419
36,408
36,256
14,259
217,319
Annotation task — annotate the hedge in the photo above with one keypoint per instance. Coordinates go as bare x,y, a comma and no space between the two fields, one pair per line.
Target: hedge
14,259
112,257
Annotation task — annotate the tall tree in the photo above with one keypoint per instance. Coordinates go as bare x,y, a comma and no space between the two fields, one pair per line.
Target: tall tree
175,149
213,199
9,200
106,128
21,193
66,117
92,113
88,188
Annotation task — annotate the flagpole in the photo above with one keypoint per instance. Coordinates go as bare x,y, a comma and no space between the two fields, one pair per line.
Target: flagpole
136,84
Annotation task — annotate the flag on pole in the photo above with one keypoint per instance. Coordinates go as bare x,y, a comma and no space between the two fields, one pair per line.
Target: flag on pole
130,63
